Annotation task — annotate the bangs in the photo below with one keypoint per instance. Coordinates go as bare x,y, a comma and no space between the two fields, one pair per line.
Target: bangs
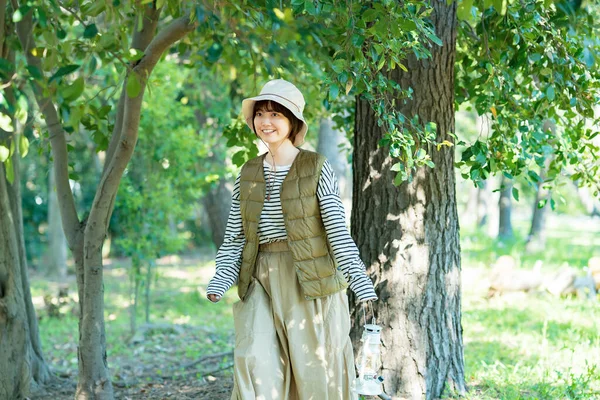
269,105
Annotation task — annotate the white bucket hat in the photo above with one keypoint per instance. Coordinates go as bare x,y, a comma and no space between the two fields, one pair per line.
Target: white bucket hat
284,93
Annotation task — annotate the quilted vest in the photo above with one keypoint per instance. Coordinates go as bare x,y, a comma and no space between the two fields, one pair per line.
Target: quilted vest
307,239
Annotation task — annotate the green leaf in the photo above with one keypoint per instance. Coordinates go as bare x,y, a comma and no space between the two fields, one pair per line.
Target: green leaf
10,173
464,9
500,6
134,86
214,52
6,123
23,145
334,90
90,31
20,13
534,176
4,153
515,193
399,178
73,91
62,71
395,167
6,67
238,158
34,72
550,93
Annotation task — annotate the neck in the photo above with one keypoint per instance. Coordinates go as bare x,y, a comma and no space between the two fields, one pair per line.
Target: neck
283,154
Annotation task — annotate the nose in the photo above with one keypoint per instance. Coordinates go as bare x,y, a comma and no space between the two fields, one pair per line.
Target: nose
265,121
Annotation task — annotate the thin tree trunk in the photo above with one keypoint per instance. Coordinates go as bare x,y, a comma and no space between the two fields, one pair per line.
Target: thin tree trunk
135,287
217,203
22,365
149,268
94,382
536,240
505,230
409,235
482,205
56,256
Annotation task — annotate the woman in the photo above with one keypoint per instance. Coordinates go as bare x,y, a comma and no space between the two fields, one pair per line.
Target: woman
285,236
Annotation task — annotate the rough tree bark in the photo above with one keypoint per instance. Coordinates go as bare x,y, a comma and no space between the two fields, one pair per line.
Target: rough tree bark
85,238
409,235
22,365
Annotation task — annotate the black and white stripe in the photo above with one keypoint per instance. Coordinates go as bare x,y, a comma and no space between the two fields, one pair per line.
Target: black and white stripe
272,228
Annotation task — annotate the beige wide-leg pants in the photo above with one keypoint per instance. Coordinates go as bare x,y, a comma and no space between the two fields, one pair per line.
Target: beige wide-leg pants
287,347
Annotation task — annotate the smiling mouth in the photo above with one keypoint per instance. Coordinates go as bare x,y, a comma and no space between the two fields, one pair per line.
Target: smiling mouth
268,131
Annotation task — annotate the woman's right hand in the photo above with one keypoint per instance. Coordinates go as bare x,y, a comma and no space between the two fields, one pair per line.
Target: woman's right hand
214,297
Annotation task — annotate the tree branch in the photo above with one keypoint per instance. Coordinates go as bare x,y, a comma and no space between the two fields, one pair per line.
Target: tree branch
58,141
2,26
103,204
141,39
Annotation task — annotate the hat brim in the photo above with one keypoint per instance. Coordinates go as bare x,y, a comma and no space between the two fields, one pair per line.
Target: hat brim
248,109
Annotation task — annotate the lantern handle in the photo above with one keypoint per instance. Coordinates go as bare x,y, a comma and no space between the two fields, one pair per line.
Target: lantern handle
370,305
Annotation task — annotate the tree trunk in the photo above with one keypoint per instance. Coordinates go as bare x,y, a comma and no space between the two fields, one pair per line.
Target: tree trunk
409,235
536,240
22,365
94,380
505,230
56,256
482,205
217,203
328,145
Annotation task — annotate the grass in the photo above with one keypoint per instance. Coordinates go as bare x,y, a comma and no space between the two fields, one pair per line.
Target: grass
175,301
530,346
516,346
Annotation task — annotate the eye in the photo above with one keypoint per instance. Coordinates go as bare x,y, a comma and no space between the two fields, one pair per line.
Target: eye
275,114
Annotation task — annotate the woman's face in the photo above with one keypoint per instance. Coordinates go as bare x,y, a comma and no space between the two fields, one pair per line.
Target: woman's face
272,127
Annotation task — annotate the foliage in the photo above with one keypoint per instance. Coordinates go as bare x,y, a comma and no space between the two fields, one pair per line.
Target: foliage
530,67
333,51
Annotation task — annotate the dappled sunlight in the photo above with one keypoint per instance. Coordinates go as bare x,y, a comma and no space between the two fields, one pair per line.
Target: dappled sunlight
184,319
520,341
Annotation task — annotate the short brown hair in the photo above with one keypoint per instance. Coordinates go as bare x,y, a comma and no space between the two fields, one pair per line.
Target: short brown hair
270,105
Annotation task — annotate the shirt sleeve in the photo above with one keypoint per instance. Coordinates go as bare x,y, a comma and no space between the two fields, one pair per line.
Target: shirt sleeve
345,252
229,256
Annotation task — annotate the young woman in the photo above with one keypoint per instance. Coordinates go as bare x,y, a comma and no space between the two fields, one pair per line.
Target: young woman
287,247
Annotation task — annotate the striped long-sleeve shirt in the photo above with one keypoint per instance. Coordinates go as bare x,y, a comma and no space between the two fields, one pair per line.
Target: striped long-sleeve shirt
271,228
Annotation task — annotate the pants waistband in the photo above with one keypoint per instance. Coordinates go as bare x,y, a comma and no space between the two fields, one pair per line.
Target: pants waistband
280,245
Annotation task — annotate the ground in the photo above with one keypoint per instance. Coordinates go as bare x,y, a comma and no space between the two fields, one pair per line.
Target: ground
517,346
